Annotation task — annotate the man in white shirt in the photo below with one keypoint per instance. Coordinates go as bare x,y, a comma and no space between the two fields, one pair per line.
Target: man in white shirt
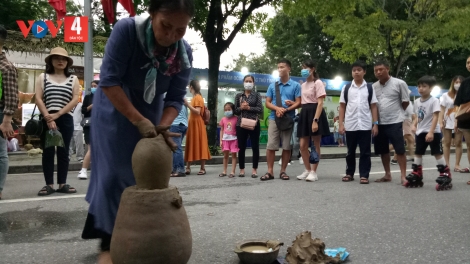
357,118
393,98
77,138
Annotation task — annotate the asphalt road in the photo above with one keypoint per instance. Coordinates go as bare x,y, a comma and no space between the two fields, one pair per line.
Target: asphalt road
377,223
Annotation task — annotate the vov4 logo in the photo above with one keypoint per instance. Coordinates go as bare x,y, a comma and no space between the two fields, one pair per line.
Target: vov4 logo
75,28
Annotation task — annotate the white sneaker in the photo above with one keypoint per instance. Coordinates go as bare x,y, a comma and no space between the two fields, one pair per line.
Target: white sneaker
301,161
312,176
82,175
303,175
280,161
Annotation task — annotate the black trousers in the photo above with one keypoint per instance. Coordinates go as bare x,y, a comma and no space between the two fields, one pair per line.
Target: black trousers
363,139
242,137
65,125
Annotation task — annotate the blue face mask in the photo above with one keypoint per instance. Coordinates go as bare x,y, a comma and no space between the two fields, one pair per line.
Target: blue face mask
305,73
228,113
93,90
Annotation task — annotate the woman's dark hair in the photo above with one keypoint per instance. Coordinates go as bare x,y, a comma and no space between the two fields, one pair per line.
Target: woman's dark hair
249,76
452,92
312,64
196,86
97,82
50,68
172,6
232,106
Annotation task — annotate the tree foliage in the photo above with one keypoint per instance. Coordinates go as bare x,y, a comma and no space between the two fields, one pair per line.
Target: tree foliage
255,63
393,29
218,22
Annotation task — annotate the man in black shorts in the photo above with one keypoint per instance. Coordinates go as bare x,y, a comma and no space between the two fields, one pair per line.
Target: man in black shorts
393,98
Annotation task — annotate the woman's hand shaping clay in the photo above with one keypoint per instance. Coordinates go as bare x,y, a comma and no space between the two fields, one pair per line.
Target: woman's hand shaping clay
146,128
167,135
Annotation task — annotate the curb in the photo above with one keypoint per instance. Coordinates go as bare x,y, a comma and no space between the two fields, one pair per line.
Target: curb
216,160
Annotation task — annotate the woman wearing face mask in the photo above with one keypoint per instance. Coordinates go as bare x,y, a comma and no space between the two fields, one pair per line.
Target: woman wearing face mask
447,122
463,97
196,147
86,111
143,80
313,123
248,105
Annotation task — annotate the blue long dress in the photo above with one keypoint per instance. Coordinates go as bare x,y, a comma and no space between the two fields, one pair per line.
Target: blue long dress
113,137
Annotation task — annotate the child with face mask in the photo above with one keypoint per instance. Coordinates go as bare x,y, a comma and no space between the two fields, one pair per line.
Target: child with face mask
228,138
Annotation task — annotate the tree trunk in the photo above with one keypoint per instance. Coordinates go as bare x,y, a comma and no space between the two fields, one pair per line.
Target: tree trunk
214,63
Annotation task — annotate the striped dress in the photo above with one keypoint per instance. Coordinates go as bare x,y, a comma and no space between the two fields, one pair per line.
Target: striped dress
58,95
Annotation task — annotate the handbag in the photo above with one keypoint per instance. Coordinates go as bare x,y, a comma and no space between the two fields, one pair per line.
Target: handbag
285,122
33,127
463,114
85,122
314,158
247,123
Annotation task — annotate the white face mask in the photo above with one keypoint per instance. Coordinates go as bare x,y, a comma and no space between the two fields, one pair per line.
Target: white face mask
248,86
456,86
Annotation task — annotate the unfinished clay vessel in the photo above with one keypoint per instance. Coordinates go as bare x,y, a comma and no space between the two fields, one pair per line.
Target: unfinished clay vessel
151,224
306,250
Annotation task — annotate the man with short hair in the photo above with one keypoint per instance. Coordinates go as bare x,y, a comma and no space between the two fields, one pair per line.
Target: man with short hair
8,105
290,99
393,98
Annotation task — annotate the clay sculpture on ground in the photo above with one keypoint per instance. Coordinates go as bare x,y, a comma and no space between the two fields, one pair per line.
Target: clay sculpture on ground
151,224
306,250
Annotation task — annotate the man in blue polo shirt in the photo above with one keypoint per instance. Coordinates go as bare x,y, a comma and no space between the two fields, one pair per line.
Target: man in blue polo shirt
290,99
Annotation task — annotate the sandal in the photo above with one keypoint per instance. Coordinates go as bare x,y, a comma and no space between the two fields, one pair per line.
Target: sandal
283,175
347,178
46,190
468,183
267,177
364,180
456,169
202,172
466,170
254,176
179,174
383,180
188,171
222,175
66,189
241,175
232,175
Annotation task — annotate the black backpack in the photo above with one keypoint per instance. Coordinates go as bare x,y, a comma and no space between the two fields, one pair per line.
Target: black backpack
370,89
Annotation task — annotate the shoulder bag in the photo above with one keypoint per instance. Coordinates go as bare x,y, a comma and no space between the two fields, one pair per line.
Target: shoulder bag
285,122
34,126
247,123
463,114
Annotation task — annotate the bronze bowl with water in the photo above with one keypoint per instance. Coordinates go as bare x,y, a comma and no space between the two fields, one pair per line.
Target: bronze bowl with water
256,251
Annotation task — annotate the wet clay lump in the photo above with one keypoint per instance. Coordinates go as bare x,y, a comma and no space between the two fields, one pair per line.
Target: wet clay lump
306,250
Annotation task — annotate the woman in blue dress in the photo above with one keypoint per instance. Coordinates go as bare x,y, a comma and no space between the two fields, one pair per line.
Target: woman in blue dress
143,79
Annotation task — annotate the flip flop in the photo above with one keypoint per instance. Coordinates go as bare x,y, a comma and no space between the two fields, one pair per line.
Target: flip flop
222,175
179,174
456,170
466,170
383,180
254,176
241,175
231,175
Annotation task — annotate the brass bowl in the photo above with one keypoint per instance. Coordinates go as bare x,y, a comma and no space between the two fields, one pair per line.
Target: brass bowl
248,257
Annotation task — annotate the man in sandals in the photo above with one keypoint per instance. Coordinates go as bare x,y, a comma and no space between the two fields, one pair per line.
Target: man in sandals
393,98
357,116
8,105
290,99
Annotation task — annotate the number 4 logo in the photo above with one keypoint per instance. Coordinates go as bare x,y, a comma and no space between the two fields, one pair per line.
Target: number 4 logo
76,29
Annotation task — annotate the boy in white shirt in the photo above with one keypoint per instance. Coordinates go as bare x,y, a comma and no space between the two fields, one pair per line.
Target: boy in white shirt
358,118
428,133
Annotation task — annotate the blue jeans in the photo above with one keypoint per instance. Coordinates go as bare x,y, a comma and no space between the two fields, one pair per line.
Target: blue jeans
178,159
3,158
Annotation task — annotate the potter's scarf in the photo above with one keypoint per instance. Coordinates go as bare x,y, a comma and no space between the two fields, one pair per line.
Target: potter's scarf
169,64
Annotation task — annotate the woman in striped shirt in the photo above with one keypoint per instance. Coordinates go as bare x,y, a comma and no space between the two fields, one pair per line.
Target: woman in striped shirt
57,93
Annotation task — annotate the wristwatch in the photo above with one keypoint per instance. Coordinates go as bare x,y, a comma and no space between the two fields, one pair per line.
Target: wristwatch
315,119
376,123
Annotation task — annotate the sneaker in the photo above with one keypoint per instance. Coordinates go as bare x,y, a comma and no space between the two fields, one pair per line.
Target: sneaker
312,176
80,160
280,161
82,175
410,160
301,161
303,176
394,162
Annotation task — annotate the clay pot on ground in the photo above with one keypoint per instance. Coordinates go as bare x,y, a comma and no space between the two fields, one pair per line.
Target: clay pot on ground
151,224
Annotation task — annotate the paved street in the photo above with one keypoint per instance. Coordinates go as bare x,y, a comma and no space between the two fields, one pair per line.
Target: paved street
377,223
